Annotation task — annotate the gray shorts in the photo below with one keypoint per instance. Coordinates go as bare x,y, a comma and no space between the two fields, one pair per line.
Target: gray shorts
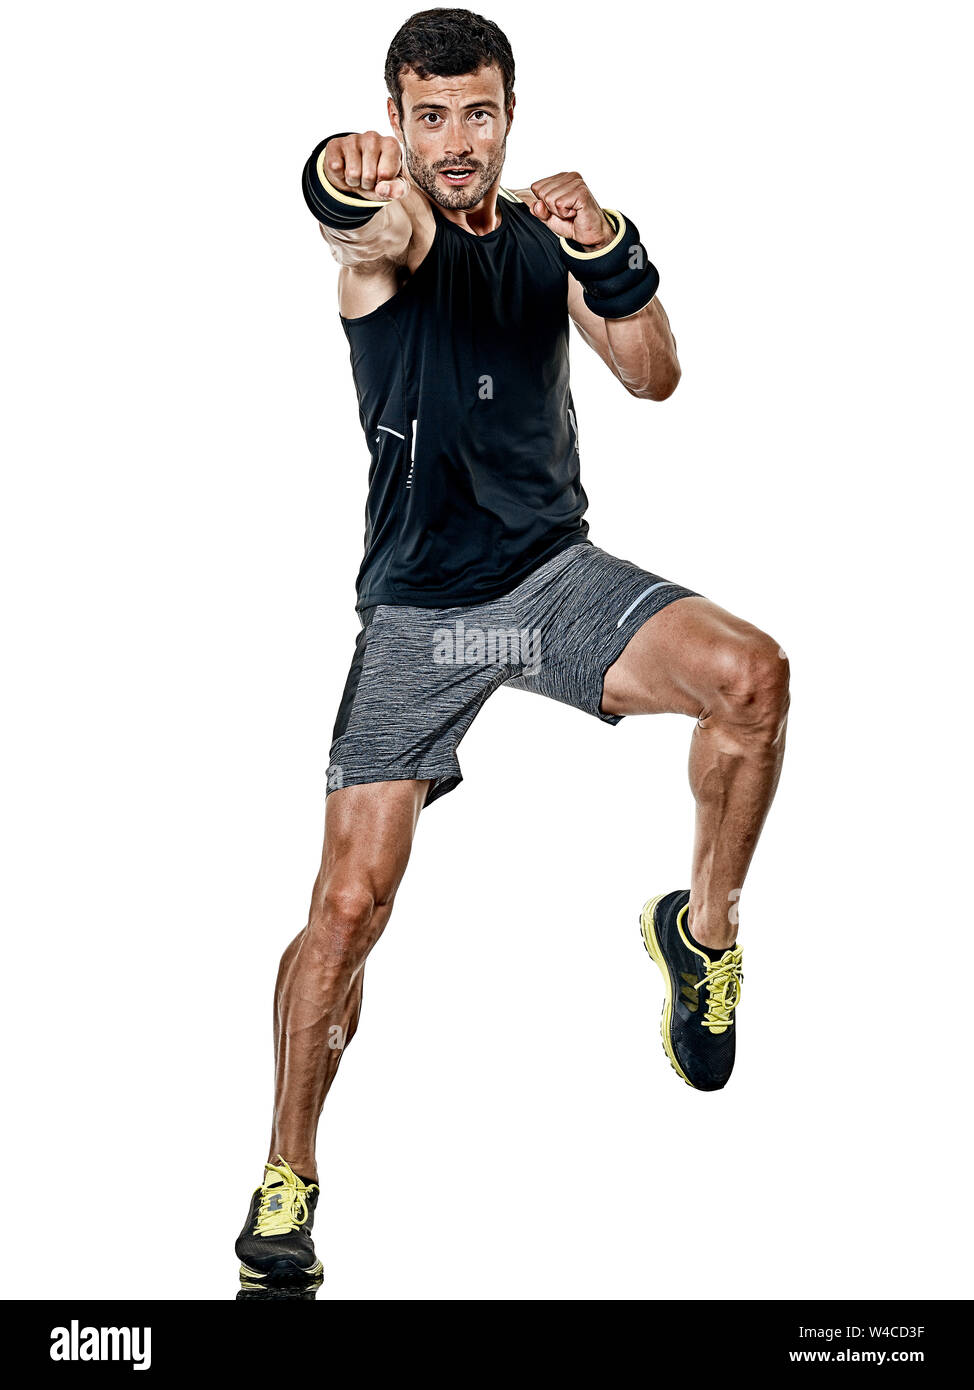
420,675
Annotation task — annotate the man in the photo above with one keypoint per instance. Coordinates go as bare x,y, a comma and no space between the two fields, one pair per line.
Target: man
455,296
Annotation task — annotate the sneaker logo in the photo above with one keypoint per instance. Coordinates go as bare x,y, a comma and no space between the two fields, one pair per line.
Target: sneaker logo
689,992
275,1204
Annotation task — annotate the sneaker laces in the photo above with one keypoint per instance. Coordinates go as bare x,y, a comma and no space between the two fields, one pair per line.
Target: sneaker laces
723,979
283,1207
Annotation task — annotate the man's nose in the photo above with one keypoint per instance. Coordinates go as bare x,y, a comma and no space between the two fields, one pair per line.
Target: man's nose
458,138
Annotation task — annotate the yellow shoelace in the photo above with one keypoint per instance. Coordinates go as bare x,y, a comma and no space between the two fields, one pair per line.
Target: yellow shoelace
283,1208
723,979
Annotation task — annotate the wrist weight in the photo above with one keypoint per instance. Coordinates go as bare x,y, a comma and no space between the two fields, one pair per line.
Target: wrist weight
618,279
331,205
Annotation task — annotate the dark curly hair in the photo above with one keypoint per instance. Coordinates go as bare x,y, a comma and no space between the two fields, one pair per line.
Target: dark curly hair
447,43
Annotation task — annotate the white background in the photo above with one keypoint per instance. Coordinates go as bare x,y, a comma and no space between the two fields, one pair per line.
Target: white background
183,516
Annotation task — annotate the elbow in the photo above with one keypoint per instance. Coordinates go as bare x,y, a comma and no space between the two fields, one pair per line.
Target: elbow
658,388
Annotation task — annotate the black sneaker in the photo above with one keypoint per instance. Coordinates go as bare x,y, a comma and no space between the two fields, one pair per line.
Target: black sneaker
703,987
275,1247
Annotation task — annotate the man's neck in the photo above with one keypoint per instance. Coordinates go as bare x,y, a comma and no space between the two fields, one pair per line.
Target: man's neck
479,220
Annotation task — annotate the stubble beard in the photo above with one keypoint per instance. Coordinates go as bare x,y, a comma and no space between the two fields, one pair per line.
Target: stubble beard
455,199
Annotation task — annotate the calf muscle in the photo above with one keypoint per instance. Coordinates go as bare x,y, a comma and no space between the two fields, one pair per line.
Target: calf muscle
318,999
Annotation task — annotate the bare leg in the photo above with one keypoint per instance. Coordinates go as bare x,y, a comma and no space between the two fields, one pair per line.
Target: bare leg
695,658
368,836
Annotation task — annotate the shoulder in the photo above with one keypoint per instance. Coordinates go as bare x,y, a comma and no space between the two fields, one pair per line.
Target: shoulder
540,233
525,200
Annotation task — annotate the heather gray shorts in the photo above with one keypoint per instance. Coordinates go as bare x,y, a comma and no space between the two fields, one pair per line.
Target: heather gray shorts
420,675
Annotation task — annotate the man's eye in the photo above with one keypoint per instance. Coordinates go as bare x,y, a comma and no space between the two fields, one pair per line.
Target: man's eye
431,118
480,115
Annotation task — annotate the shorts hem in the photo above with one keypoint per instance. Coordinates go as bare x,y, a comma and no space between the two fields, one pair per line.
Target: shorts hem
442,779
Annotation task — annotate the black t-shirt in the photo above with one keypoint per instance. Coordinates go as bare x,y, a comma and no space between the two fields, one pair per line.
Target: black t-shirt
462,382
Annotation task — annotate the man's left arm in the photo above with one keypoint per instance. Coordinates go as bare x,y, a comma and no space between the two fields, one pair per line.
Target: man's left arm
608,266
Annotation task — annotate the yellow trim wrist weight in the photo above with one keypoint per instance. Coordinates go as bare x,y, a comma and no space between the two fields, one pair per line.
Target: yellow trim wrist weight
618,279
329,204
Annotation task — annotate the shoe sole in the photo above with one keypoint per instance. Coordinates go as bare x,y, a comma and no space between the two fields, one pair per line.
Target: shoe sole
647,928
283,1274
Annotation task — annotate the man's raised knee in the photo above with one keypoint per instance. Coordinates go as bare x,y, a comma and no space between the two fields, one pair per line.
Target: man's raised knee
752,681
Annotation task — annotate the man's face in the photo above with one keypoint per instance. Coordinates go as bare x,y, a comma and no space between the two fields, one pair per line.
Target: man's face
454,130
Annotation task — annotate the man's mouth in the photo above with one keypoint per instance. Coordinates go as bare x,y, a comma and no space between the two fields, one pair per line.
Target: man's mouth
457,175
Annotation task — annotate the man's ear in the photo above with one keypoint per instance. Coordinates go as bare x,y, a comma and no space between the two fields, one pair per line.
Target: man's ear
510,112
394,118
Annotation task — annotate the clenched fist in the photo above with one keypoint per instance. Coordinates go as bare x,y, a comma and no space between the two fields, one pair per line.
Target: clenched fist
368,164
565,203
